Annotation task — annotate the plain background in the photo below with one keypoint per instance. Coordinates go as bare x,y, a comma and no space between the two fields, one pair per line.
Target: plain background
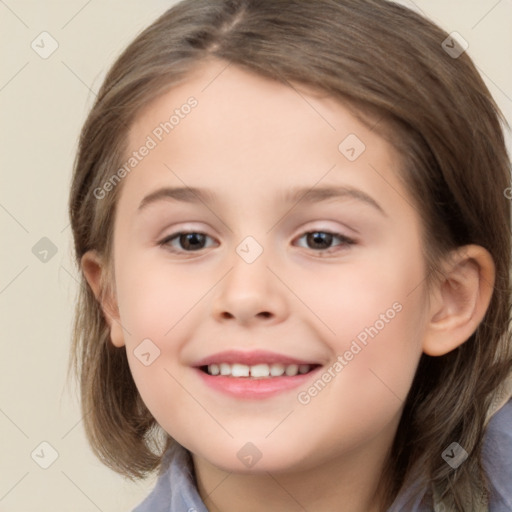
43,104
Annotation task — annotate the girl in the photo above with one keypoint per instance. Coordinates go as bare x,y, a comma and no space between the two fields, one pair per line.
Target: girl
293,228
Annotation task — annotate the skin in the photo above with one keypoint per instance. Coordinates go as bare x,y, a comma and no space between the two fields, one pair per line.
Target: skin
249,140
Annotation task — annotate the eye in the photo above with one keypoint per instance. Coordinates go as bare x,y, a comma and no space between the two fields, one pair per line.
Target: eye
190,241
320,240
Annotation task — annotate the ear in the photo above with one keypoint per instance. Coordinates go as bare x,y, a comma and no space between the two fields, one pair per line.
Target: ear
94,271
458,302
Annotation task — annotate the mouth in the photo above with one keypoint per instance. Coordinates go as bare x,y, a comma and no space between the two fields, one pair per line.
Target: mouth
254,374
257,382
257,371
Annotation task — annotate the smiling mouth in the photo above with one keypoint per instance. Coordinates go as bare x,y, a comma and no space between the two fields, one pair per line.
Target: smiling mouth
258,371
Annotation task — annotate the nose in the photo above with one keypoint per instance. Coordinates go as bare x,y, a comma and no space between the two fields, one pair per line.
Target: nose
251,293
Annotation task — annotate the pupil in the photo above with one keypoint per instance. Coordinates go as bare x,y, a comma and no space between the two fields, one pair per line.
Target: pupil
193,238
317,237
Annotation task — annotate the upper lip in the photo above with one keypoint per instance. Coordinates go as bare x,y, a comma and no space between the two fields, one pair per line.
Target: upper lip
250,358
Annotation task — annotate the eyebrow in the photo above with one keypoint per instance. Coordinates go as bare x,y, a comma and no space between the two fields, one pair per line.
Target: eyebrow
308,195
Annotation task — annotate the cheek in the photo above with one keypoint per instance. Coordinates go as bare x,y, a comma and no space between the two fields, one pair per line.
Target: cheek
368,298
154,299
161,389
367,381
392,350
158,304
378,313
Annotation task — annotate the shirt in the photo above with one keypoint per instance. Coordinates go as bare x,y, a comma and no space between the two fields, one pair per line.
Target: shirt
176,490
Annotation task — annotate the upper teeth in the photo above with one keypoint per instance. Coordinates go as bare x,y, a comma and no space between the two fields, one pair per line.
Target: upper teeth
258,370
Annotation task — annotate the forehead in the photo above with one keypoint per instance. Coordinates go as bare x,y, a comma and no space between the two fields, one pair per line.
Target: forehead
226,128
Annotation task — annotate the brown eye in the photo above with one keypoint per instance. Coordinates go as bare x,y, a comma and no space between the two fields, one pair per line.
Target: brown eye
322,240
193,241
188,241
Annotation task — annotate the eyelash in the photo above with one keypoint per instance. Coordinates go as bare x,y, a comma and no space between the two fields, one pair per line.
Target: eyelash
346,241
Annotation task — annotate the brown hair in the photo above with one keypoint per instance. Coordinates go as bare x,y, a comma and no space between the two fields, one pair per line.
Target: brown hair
388,63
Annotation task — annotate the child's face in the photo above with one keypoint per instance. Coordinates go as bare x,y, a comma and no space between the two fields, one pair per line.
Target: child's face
251,142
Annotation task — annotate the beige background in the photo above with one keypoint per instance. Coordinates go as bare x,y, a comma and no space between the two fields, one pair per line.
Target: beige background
43,105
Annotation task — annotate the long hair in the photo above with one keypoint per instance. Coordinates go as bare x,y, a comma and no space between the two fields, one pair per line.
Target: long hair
390,66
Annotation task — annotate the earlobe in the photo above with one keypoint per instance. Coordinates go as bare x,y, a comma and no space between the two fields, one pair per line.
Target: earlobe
459,300
94,270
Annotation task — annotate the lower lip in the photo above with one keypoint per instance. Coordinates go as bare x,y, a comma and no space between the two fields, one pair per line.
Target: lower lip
246,387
